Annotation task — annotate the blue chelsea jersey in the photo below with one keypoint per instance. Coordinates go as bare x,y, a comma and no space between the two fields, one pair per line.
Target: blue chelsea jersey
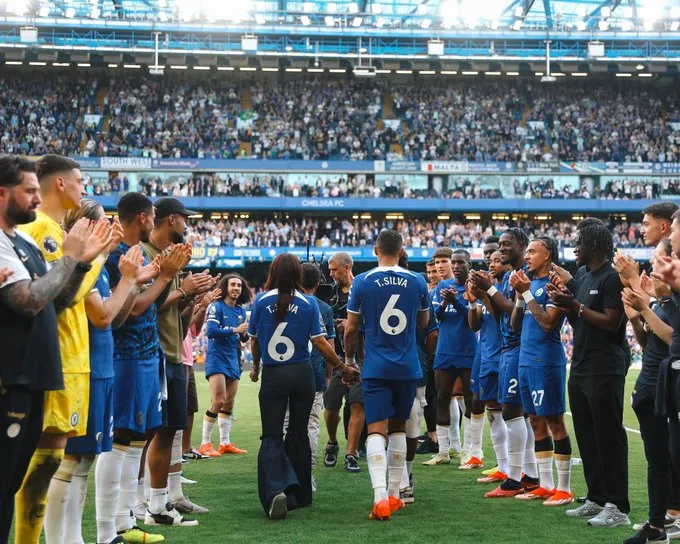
389,300
223,344
510,337
456,337
539,348
288,341
101,340
490,338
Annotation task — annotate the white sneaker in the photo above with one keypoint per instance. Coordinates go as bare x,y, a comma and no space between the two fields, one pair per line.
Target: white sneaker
186,481
673,531
169,517
279,507
610,516
587,510
140,510
439,459
185,506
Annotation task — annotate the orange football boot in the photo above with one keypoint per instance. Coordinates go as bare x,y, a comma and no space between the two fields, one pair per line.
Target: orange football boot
208,450
560,498
230,448
494,477
500,493
540,493
381,511
396,504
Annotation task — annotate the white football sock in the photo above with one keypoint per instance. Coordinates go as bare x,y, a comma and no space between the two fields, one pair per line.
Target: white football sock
128,486
146,481
224,422
467,445
175,478
57,498
396,462
545,470
476,435
517,440
159,499
530,465
208,424
404,477
409,468
141,494
443,438
376,458
499,439
107,491
454,428
73,533
563,463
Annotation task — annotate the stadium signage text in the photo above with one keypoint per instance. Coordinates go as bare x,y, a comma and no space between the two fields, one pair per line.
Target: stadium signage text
323,203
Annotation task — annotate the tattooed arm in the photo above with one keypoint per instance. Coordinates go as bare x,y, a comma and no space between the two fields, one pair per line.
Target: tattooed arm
29,298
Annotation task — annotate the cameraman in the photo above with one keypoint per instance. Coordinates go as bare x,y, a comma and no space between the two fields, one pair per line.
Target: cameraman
340,269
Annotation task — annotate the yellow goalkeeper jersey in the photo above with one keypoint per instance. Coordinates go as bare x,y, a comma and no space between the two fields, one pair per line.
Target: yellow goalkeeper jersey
74,342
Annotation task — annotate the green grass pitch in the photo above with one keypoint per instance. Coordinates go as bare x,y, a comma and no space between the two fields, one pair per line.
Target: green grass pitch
449,504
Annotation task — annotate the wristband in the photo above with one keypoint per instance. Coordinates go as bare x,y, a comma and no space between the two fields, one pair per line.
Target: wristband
184,293
580,309
491,291
350,361
527,296
519,303
474,305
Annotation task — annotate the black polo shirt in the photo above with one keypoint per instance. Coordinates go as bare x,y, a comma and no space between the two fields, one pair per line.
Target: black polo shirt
30,346
597,352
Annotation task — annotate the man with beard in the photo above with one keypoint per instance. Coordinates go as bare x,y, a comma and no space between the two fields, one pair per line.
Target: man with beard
66,411
165,450
594,308
136,386
30,299
521,456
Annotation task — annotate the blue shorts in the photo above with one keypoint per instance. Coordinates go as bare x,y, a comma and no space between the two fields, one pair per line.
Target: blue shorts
448,362
508,377
476,368
99,437
216,367
543,389
384,399
137,395
488,387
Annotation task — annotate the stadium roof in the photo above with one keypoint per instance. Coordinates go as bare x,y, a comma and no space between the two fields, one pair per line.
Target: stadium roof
578,15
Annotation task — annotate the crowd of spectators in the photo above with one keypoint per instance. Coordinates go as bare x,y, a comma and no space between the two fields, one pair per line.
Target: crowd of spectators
183,115
421,233
42,114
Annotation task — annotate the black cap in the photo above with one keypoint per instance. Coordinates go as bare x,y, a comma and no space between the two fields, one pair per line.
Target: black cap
167,205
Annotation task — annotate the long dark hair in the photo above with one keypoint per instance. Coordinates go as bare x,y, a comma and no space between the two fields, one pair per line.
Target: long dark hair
285,274
244,297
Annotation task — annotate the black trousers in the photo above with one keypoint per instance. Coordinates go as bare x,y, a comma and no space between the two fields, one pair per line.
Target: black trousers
673,409
21,420
654,431
596,404
285,466
431,397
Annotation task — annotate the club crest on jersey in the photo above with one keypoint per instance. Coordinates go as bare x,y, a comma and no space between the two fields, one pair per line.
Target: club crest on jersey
74,419
13,430
50,245
538,292
240,318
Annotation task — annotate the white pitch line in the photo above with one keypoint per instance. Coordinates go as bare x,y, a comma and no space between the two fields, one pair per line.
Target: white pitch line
627,428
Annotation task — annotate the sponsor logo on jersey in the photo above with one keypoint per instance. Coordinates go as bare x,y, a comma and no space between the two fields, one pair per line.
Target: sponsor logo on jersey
13,430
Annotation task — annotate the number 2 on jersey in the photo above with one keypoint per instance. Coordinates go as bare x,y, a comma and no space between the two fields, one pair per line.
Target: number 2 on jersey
392,312
278,339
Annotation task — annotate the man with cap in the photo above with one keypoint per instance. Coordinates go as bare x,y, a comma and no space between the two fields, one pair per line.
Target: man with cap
165,450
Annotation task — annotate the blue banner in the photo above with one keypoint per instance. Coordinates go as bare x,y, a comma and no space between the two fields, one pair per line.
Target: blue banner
402,205
233,257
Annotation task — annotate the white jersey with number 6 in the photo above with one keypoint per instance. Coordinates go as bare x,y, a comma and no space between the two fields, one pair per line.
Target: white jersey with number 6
389,299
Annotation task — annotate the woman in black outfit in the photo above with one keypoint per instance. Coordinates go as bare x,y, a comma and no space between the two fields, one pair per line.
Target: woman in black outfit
282,323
